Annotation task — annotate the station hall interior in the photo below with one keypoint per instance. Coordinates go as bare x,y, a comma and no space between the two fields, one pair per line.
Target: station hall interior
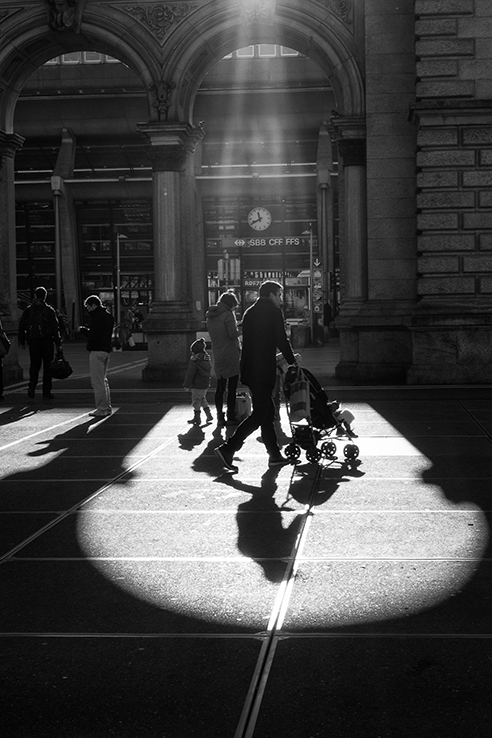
157,154
264,109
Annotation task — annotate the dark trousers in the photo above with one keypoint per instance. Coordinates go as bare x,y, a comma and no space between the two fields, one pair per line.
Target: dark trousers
231,383
262,417
41,352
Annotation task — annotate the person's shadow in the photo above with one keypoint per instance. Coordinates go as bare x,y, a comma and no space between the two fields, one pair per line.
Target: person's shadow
260,523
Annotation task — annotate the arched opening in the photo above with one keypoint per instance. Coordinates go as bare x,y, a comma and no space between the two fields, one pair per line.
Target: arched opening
83,184
267,181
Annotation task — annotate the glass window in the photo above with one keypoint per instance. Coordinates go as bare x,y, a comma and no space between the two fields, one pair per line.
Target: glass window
92,57
267,50
247,52
285,51
74,57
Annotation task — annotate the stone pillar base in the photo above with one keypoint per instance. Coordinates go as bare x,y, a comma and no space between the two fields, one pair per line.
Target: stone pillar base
170,330
451,345
371,368
374,348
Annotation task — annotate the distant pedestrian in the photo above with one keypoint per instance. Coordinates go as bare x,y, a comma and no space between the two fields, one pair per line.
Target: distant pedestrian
263,332
224,335
39,328
99,333
197,379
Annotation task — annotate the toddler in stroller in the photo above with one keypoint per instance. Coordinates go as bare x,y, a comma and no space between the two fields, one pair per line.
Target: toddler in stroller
313,417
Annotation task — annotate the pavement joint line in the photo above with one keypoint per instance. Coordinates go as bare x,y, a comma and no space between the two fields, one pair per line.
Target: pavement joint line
146,480
487,433
256,635
45,430
210,559
254,697
12,552
116,370
227,511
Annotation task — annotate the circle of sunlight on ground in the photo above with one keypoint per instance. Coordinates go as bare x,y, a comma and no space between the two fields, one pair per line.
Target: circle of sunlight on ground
335,591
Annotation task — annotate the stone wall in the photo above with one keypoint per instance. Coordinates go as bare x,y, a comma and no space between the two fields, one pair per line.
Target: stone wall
374,336
452,326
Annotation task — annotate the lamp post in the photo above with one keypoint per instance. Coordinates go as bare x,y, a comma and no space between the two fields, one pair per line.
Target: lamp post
118,278
311,280
56,188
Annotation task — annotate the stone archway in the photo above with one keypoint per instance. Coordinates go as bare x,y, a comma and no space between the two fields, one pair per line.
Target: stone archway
171,48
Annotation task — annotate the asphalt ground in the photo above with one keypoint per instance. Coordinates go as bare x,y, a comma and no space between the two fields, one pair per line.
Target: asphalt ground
148,593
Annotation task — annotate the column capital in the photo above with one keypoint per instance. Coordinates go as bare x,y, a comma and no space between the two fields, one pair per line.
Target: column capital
9,143
353,152
349,132
170,143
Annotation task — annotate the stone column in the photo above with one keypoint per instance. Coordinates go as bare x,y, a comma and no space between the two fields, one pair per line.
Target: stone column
354,251
9,143
349,133
172,321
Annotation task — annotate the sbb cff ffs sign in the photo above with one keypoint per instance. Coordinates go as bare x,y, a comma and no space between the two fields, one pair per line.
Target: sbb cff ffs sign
252,242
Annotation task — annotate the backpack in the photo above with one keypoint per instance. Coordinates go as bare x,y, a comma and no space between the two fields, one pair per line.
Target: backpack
38,325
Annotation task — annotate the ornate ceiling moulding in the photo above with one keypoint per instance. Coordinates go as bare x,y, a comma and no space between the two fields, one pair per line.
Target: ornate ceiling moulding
257,11
343,9
161,94
63,15
160,18
9,143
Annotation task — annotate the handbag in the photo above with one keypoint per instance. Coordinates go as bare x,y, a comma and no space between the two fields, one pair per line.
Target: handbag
243,406
5,343
59,367
299,397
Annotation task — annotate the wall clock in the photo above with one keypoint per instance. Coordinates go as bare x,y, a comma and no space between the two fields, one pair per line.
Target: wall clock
259,219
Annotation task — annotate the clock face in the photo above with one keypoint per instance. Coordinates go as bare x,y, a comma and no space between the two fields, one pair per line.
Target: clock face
259,219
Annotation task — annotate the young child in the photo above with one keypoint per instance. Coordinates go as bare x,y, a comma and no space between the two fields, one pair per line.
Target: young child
197,379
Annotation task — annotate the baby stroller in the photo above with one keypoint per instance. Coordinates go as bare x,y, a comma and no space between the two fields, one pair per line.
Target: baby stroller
313,417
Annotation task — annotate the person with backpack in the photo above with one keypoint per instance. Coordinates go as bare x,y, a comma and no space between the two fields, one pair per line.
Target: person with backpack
39,328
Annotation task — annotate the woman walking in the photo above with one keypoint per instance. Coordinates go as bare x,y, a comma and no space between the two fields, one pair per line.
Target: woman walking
224,335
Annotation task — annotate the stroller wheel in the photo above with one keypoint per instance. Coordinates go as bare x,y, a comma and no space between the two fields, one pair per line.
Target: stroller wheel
329,450
292,451
351,451
313,454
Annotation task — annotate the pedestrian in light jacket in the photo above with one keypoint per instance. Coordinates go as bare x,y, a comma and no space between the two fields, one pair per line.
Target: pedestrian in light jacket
224,335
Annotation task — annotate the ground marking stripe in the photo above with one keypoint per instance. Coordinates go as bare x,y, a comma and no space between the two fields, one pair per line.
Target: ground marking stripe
40,432
78,505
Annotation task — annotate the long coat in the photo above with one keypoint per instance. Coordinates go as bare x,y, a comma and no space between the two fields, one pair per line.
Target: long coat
263,332
224,333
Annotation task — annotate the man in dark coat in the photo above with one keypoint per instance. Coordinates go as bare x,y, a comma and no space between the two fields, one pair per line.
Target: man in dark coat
39,328
263,333
99,335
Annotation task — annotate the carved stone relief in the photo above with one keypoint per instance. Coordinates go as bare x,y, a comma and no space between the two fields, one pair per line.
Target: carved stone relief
341,8
61,14
159,18
162,97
